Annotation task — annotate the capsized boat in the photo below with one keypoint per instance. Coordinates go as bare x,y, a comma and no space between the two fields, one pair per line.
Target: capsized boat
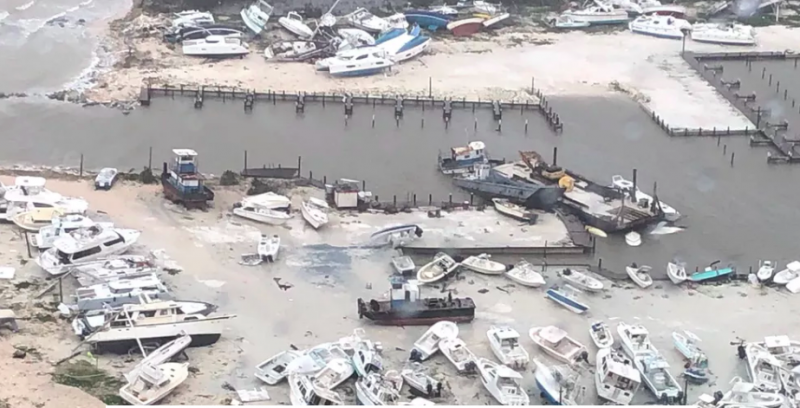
354,38
441,266
765,270
640,275
601,335
483,264
558,384
428,343
502,382
256,16
315,212
524,274
273,370
504,342
686,343
615,377
216,46
568,297
192,18
660,26
293,22
676,273
458,354
558,344
302,391
724,33
581,280
154,383
785,276
493,20
627,187
396,235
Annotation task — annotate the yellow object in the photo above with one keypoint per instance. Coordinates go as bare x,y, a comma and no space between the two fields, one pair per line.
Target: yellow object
567,183
91,357
596,232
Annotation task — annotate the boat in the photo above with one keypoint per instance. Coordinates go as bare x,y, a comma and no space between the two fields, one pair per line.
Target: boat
159,356
314,212
292,51
743,394
596,231
567,296
524,274
105,178
354,38
601,335
517,212
266,208
627,186
114,269
62,225
711,273
456,351
256,16
673,10
653,368
154,383
428,343
273,370
686,344
293,22
315,359
581,280
640,274
765,270
660,26
496,19
430,20
34,220
216,46
370,62
558,385
615,377
395,236
502,382
404,265
196,32
84,245
335,372
504,342
763,368
400,44
191,18
366,358
421,382
441,266
794,285
182,182
676,273
558,344
483,264
29,193
465,27
633,239
785,276
566,22
463,159
364,20
598,14
89,321
302,391
120,292
376,389
268,247
487,182
406,308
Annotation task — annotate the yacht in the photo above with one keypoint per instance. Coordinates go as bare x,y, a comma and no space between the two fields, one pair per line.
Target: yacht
620,183
61,226
90,321
363,62
120,292
28,194
256,15
192,18
725,34
652,367
114,269
598,14
615,377
84,245
216,46
267,208
660,26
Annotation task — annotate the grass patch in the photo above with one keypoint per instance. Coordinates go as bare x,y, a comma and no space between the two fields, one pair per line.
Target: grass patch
85,376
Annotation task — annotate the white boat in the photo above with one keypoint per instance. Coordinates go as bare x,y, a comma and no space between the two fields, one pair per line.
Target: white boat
640,274
724,33
686,343
273,370
601,335
85,245
598,14
794,285
364,20
495,19
268,247
366,357
192,18
743,394
417,401
782,347
395,236
160,356
428,343
28,193
302,391
524,274
60,226
87,322
34,220
765,270
565,22
371,62
483,264
558,384
316,358
458,354
375,389
289,50
293,22
418,380
763,368
315,212
676,273
335,372
120,292
517,212
441,266
504,342
401,44
216,46
113,269
660,26
256,16
403,265
268,208
673,10
568,297
558,344
615,377
633,239
581,280
154,383
785,276
654,370
619,182
502,382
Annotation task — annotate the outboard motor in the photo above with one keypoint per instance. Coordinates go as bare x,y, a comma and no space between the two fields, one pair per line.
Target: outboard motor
718,396
415,356
741,352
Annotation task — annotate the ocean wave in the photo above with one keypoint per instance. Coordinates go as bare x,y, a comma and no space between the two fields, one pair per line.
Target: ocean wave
25,6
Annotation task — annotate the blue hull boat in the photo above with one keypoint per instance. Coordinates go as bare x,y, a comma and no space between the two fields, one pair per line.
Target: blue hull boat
711,274
428,19
565,297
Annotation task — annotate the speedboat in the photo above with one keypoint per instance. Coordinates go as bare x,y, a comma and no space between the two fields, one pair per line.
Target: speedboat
465,27
676,273
502,382
661,26
441,266
84,245
598,14
765,270
558,344
256,15
483,264
364,20
400,44
273,370
618,182
653,368
154,382
568,297
194,33
358,62
725,34
785,276
504,342
314,211
267,208
615,377
293,23
640,275
524,274
428,343
456,351
216,46
354,38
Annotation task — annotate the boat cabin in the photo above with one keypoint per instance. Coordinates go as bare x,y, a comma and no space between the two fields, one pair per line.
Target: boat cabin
463,159
184,171
507,381
639,336
618,377
507,338
555,338
778,345
147,314
402,293
86,243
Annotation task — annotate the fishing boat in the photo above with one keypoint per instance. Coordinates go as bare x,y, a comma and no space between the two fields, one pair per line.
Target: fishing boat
627,187
725,34
653,368
84,245
366,357
686,343
598,14
441,266
567,296
404,265
302,391
334,373
419,381
395,236
763,368
293,22
615,377
315,212
256,15
483,264
743,394
785,276
660,26
640,275
601,335
430,20
633,239
676,273
273,370
517,212
465,27
267,208
524,274
502,382
463,159
364,20
765,270
34,220
581,280
457,352
558,344
565,22
370,62
428,343
406,308
216,46
182,182
154,383
504,342
376,389
711,273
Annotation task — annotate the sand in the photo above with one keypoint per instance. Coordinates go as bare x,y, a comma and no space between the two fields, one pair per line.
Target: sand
320,306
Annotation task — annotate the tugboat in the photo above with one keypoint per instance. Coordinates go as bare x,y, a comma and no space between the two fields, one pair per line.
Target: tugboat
183,184
406,308
464,159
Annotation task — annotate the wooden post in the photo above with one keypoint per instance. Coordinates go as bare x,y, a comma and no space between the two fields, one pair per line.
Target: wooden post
245,160
299,163
81,168
150,158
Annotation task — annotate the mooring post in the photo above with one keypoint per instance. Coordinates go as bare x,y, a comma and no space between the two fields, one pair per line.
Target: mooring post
81,168
150,158
733,154
325,180
533,89
475,126
450,198
471,198
785,94
310,175
422,123
373,121
415,199
299,164
430,87
778,87
724,150
394,200
770,79
763,71
430,199
363,185
555,156
718,139
526,126
245,160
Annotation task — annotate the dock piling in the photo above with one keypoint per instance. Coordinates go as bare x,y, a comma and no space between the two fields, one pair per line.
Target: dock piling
299,164
555,156
430,199
430,87
373,121
733,154
763,71
198,99
497,110
450,198
249,101
770,79
144,95
422,123
724,150
398,108
150,158
300,103
526,126
415,199
475,126
500,125
635,183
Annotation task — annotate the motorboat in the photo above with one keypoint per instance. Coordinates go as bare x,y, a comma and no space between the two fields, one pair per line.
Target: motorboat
354,38
197,32
293,22
315,212
216,46
743,394
504,342
375,389
601,335
566,22
598,14
785,276
419,381
456,351
160,356
120,292
256,15
105,178
465,27
29,193
633,239
316,358
763,368
615,377
404,265
712,272
395,236
113,269
192,18
62,225
154,383
273,370
558,344
640,275
292,51
334,373
34,220
676,273
502,382
302,391
626,186
431,20
765,270
581,280
483,264
366,357
652,367
661,26
266,208
524,274
367,62
268,247
725,34
84,245
435,270
89,321
428,343
400,44
364,20
686,344
568,297
558,384
515,211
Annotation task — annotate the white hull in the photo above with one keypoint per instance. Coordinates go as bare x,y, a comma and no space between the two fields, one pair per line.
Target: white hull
143,392
660,26
50,262
723,38
160,356
441,266
208,327
408,54
428,344
264,216
565,349
314,216
456,351
765,271
294,24
215,46
524,274
482,264
676,273
504,342
601,335
582,281
273,370
268,247
598,18
785,276
502,383
256,18
640,276
610,392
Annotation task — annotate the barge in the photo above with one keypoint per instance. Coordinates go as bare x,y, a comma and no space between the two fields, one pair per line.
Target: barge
183,184
406,308
490,184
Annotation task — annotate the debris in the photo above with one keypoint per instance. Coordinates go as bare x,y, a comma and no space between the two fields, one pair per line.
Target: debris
7,272
483,291
251,259
228,387
254,395
282,286
501,289
19,354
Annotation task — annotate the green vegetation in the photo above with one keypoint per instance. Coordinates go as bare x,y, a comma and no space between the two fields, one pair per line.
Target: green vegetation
86,376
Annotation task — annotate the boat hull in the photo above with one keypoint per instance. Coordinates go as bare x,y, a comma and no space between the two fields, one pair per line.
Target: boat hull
415,48
124,346
260,218
191,201
465,29
533,195
570,304
733,41
431,21
463,311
